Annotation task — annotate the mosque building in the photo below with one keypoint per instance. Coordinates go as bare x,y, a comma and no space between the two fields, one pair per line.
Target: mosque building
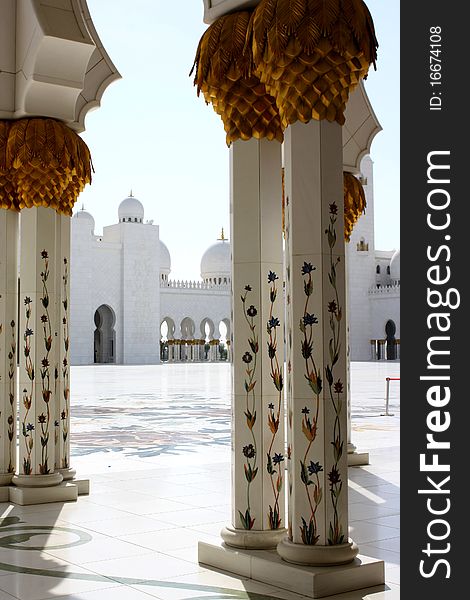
126,309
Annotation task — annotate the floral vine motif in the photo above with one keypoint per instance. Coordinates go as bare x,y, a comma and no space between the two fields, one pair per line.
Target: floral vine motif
11,397
45,371
274,414
65,370
288,380
335,533
27,427
309,473
250,451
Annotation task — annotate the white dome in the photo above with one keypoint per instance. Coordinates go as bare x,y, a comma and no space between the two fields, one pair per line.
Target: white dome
395,266
131,209
216,260
86,219
165,259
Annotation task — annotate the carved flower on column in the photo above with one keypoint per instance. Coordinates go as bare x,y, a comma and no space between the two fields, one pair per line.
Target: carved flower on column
225,75
311,54
250,451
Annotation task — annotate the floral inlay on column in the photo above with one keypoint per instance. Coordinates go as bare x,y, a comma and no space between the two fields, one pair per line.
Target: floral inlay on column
11,398
27,427
65,369
45,371
335,388
309,472
274,466
250,451
289,394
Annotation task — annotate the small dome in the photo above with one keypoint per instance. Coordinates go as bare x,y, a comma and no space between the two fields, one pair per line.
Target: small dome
131,210
216,261
165,259
85,219
395,266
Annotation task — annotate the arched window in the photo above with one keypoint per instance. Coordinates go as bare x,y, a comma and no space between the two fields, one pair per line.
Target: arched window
377,270
388,270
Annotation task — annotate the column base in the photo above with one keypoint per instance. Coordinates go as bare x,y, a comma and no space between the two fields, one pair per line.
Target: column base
357,459
317,556
37,481
83,486
5,478
64,492
267,566
242,538
69,475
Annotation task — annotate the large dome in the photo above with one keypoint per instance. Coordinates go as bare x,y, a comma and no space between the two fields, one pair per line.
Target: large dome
395,266
131,210
165,259
85,219
216,262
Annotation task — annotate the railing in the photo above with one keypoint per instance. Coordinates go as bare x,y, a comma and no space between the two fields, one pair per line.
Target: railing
193,285
382,290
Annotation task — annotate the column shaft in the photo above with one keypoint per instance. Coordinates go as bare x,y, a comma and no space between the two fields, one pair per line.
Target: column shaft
316,346
8,341
62,415
39,349
258,451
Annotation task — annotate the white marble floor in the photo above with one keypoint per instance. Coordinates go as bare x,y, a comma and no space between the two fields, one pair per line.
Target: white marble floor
155,444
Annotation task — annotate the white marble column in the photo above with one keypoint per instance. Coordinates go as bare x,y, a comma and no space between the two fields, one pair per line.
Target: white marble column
355,458
36,480
258,449
62,415
8,345
316,346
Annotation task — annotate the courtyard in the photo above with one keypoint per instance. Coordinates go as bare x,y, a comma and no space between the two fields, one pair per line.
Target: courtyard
154,441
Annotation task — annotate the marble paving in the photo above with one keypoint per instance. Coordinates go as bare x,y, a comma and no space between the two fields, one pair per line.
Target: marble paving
155,444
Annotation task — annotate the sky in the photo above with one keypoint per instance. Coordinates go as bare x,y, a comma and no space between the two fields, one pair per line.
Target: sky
154,136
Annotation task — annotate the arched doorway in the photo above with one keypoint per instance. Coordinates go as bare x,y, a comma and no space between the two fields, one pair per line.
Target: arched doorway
105,335
224,339
391,342
207,329
188,329
167,336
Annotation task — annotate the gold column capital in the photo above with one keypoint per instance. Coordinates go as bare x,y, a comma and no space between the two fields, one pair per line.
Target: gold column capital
42,163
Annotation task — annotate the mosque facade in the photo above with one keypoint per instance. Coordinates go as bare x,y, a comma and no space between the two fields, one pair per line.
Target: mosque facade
126,308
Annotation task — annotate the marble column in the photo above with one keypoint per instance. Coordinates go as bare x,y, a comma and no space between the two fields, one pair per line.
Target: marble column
355,458
258,449
62,350
8,346
36,480
316,347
